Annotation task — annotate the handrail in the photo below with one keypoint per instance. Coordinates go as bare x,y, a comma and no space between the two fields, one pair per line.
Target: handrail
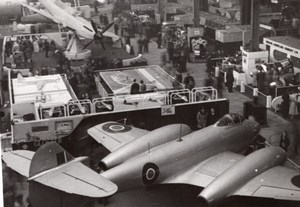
140,101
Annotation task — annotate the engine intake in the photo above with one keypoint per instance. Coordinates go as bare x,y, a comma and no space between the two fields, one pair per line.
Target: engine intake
202,202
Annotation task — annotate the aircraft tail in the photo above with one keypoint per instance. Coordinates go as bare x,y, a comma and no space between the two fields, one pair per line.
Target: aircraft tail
48,156
54,167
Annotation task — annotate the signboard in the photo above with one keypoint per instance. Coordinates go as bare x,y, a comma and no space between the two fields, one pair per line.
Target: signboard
167,110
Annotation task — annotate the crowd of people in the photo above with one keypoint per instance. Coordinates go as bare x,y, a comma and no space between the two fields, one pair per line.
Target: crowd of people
266,76
290,104
20,49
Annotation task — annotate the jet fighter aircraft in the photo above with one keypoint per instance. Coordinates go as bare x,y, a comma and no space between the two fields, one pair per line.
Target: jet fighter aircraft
168,155
69,17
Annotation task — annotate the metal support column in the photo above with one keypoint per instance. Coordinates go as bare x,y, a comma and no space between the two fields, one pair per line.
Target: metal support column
196,13
255,4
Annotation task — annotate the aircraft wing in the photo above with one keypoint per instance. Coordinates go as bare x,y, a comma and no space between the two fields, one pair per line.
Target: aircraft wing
207,171
113,135
278,182
76,178
19,161
42,12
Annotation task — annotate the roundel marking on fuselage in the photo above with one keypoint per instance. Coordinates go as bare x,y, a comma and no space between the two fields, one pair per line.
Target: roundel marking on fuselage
296,181
115,128
150,173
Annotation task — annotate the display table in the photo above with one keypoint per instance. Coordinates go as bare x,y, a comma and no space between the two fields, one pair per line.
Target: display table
239,78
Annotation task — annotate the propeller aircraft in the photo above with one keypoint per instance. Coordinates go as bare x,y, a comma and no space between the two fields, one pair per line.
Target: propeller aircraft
208,158
68,17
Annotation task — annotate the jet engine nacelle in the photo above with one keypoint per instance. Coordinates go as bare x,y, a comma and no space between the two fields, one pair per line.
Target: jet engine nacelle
150,140
239,174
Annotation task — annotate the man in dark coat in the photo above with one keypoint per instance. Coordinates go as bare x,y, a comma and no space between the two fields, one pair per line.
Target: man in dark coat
285,104
159,40
260,79
135,87
212,117
187,79
170,50
46,47
229,80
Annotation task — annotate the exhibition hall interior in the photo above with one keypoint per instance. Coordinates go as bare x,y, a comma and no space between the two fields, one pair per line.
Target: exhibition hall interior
182,103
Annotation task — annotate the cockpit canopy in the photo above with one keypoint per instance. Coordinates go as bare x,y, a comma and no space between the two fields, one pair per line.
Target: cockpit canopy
230,120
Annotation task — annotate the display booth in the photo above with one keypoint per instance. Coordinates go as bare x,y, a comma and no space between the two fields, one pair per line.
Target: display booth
250,60
197,45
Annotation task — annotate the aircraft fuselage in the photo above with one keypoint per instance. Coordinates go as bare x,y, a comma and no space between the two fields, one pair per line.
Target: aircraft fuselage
10,9
168,159
83,27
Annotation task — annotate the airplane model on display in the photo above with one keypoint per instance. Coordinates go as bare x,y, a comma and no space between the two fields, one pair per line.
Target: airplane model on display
172,154
68,17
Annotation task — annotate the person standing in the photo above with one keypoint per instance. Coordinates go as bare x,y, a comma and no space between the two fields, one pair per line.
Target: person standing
116,27
187,79
260,79
229,80
8,48
73,81
143,87
140,44
127,39
96,3
182,62
219,86
209,64
159,40
212,117
27,53
202,118
46,47
170,50
285,105
135,87
146,44
293,110
254,78
105,20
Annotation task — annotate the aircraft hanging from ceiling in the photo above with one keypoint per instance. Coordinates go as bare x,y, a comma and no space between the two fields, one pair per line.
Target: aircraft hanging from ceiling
68,17
10,10
168,155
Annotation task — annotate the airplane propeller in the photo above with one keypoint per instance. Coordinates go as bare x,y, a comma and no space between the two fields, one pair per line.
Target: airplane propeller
98,35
